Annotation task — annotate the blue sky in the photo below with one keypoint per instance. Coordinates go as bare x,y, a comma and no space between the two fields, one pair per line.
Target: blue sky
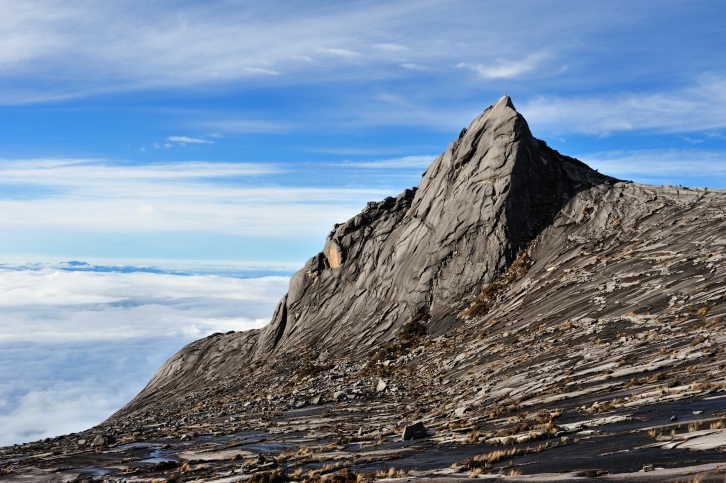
195,154
244,130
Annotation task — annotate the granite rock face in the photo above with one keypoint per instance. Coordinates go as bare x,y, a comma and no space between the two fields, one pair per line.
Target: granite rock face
493,191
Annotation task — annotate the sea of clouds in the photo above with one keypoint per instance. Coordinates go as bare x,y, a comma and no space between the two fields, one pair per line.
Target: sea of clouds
79,340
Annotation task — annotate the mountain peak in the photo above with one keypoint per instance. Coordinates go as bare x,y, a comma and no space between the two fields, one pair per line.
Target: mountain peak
504,101
426,251
512,281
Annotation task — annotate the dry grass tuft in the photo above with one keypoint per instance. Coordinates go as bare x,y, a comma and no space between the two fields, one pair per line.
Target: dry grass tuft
269,477
698,478
391,473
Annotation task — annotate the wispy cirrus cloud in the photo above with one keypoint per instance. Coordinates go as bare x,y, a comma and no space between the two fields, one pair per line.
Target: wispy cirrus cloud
410,66
692,167
198,197
421,162
391,47
187,140
339,52
163,44
248,126
93,172
698,107
507,69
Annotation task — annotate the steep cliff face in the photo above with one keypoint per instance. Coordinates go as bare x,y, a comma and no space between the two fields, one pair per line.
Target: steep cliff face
490,194
493,191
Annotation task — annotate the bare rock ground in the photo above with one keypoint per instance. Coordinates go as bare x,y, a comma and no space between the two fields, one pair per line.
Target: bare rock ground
542,321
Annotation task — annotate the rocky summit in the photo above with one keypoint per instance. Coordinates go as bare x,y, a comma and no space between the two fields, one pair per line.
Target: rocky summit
518,315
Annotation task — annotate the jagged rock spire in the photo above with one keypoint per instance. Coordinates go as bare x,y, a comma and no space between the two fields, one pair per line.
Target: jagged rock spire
486,197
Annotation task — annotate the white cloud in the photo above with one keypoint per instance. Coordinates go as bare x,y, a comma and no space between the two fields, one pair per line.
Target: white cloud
160,45
700,107
391,47
187,140
62,407
421,162
82,344
54,306
416,67
88,172
247,126
260,70
663,166
507,69
192,196
339,52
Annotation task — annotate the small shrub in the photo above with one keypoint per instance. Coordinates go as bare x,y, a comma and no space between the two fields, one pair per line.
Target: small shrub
269,477
486,298
409,335
473,437
163,465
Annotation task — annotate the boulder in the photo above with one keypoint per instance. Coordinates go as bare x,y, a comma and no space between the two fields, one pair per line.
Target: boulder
414,431
381,385
460,411
103,440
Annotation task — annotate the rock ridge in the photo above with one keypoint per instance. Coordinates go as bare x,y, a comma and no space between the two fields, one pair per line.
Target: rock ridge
491,193
482,201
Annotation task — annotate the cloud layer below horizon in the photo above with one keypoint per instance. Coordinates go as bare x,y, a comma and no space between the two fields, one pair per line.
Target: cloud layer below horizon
236,133
83,343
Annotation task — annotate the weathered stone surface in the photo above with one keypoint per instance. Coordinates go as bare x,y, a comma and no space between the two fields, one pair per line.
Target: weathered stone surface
620,281
491,193
103,440
486,197
381,385
609,319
